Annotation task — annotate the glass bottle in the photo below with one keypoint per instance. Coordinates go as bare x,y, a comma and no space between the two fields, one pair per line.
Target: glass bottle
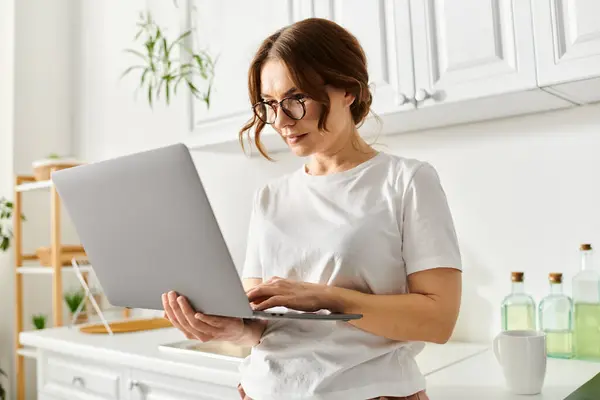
586,300
556,319
518,308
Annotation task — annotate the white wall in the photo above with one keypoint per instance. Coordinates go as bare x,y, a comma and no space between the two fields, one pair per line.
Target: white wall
35,120
6,172
517,187
524,195
522,190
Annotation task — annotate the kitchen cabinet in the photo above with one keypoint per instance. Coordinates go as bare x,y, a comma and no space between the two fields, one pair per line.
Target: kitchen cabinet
150,386
567,46
431,63
72,365
231,31
471,49
67,377
383,29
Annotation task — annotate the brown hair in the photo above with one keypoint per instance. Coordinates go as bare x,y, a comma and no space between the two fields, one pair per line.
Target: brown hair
316,52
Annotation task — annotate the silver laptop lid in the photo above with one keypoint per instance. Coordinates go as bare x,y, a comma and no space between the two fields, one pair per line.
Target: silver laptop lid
147,226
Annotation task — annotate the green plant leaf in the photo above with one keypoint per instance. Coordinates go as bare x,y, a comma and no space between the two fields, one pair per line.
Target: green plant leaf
163,69
136,53
168,91
74,299
179,39
4,243
133,68
39,321
207,95
143,78
150,94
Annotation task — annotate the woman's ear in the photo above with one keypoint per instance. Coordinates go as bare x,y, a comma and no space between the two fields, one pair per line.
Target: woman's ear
349,99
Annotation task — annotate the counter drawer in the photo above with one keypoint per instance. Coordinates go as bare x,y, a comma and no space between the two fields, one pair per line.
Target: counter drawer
81,376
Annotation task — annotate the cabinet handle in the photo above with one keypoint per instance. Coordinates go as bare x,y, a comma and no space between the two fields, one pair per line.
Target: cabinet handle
403,99
77,379
422,95
133,384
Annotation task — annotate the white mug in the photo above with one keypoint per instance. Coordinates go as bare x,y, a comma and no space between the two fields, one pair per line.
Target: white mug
522,356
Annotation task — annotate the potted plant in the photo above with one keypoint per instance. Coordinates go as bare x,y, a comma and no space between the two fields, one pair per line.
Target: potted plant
6,233
74,298
164,63
2,391
39,321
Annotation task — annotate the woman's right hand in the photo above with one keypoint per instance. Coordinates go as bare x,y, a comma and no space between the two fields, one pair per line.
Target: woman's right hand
199,326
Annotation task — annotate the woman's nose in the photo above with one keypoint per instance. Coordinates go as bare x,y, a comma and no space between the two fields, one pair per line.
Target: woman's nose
282,119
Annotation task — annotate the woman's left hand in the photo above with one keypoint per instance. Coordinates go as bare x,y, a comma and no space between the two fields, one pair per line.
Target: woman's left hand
301,296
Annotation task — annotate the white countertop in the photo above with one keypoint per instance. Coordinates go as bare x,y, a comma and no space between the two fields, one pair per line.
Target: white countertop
140,349
455,370
480,377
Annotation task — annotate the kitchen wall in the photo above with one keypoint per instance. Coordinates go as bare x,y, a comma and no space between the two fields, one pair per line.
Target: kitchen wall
36,119
522,190
6,170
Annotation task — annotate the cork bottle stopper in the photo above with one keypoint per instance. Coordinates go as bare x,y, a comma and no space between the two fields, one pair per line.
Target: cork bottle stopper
555,277
517,276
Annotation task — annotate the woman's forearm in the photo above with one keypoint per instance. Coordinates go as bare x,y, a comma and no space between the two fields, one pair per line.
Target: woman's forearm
253,331
405,317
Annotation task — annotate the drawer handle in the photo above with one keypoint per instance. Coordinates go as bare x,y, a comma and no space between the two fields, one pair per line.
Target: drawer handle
77,379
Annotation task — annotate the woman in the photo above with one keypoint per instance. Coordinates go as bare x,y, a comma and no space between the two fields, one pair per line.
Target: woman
355,231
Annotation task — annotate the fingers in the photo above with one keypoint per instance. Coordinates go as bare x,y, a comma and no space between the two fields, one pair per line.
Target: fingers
262,292
179,320
198,321
241,391
171,314
273,301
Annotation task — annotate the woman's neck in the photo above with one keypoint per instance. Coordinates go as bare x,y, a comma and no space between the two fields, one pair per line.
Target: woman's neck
349,155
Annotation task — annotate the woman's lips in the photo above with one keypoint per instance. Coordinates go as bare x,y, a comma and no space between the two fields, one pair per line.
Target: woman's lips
296,138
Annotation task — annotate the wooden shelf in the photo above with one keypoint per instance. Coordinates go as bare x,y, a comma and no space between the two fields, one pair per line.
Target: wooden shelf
29,264
29,186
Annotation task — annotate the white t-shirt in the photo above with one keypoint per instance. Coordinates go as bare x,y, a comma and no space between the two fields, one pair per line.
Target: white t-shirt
365,229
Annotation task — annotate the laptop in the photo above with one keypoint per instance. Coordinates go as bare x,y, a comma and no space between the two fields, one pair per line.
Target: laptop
148,227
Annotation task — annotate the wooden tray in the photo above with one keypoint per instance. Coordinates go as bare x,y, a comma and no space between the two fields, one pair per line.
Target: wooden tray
128,326
68,252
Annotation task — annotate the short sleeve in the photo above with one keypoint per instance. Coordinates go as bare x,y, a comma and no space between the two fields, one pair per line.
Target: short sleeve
252,266
428,234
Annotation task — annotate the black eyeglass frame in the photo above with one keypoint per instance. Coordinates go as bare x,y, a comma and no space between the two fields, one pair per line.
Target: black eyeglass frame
299,97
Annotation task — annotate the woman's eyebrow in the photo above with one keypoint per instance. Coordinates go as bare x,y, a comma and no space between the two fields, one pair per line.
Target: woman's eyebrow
290,91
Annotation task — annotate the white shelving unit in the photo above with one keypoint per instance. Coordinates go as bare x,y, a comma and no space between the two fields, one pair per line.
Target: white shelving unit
25,187
28,264
41,270
27,352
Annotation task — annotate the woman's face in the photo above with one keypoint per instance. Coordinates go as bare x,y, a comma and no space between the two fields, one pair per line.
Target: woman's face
303,136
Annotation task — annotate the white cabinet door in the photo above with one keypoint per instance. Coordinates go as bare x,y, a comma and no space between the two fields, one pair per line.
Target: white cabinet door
567,40
78,378
231,31
150,386
383,29
470,49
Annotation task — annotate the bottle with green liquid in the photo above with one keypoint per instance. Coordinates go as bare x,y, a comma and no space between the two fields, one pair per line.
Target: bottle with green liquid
518,308
586,300
556,319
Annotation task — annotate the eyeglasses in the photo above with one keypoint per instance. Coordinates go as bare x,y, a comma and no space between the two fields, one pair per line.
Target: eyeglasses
292,106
